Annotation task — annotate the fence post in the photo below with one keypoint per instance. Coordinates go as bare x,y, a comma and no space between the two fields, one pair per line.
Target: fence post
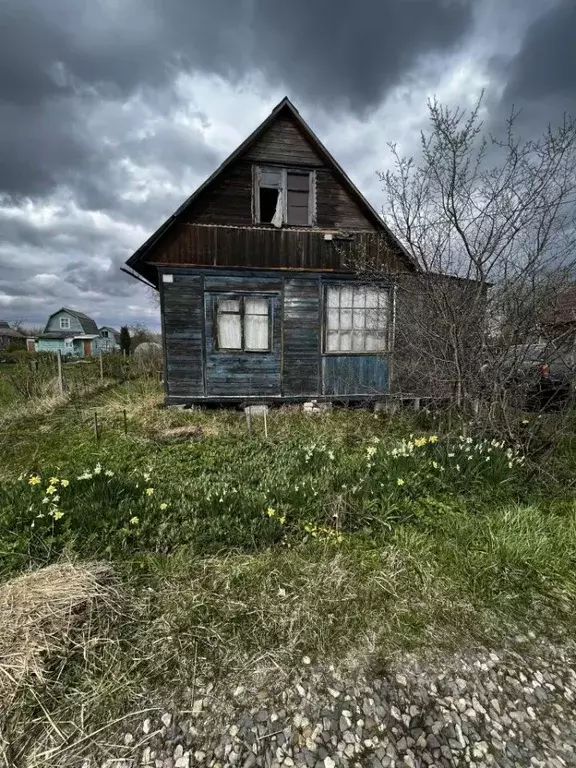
96,432
60,378
125,423
101,367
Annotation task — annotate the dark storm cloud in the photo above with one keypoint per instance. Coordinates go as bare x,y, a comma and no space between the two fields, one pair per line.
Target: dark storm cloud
57,58
79,80
544,70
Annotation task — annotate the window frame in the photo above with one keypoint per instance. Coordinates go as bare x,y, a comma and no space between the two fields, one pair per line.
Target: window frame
64,318
241,297
257,171
388,289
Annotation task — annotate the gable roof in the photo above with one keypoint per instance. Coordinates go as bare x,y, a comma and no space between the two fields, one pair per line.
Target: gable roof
115,333
341,175
88,325
8,332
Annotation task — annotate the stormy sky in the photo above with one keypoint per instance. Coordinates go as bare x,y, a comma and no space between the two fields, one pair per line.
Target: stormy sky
113,111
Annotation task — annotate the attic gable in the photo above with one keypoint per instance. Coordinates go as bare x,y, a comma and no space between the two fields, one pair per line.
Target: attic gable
284,142
227,197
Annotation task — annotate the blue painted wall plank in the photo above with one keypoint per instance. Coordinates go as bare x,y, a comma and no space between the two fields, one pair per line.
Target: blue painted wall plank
301,354
355,375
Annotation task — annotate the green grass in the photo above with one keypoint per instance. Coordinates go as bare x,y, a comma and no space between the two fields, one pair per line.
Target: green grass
338,537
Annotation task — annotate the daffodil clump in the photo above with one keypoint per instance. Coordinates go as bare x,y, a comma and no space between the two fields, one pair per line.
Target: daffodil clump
56,497
244,495
50,500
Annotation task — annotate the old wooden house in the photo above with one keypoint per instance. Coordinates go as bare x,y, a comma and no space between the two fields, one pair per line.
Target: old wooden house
262,276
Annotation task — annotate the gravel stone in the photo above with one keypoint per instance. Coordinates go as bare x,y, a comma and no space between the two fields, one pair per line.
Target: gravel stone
505,710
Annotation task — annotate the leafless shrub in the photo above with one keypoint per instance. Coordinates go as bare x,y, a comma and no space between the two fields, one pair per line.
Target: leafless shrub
490,223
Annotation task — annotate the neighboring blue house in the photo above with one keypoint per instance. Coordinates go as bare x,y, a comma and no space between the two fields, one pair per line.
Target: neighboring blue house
109,340
75,334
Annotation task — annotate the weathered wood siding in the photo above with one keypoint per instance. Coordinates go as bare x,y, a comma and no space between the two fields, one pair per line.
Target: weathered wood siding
302,324
284,143
355,375
228,200
296,366
271,249
336,207
182,330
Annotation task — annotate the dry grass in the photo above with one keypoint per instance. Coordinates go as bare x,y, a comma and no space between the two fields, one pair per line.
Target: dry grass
180,434
38,611
42,406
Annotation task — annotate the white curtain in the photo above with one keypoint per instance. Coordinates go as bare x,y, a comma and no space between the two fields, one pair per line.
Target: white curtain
277,218
256,324
229,333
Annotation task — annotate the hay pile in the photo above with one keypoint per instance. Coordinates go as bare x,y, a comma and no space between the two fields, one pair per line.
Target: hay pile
37,612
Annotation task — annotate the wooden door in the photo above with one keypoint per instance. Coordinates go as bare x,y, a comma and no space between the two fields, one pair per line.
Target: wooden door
87,348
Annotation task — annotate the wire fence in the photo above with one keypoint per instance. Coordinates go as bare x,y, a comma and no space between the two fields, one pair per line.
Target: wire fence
29,377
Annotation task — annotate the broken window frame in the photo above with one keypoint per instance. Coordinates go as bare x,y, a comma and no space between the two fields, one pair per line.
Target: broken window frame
285,171
358,318
242,315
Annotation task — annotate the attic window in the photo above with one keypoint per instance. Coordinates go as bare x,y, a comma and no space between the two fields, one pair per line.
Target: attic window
283,196
64,323
104,334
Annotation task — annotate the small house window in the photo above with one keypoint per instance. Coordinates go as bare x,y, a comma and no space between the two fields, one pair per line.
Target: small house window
283,196
357,319
64,323
104,334
243,323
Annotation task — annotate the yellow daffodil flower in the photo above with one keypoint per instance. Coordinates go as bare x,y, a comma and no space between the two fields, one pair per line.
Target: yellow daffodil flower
134,520
400,482
64,483
34,480
163,506
149,491
51,489
57,514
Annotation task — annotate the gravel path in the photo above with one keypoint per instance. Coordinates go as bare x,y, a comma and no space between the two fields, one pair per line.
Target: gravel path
514,708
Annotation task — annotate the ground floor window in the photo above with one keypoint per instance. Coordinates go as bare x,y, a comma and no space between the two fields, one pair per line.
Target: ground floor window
243,323
357,318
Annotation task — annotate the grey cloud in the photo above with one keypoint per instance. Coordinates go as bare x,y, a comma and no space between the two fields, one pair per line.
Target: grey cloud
541,78
58,57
